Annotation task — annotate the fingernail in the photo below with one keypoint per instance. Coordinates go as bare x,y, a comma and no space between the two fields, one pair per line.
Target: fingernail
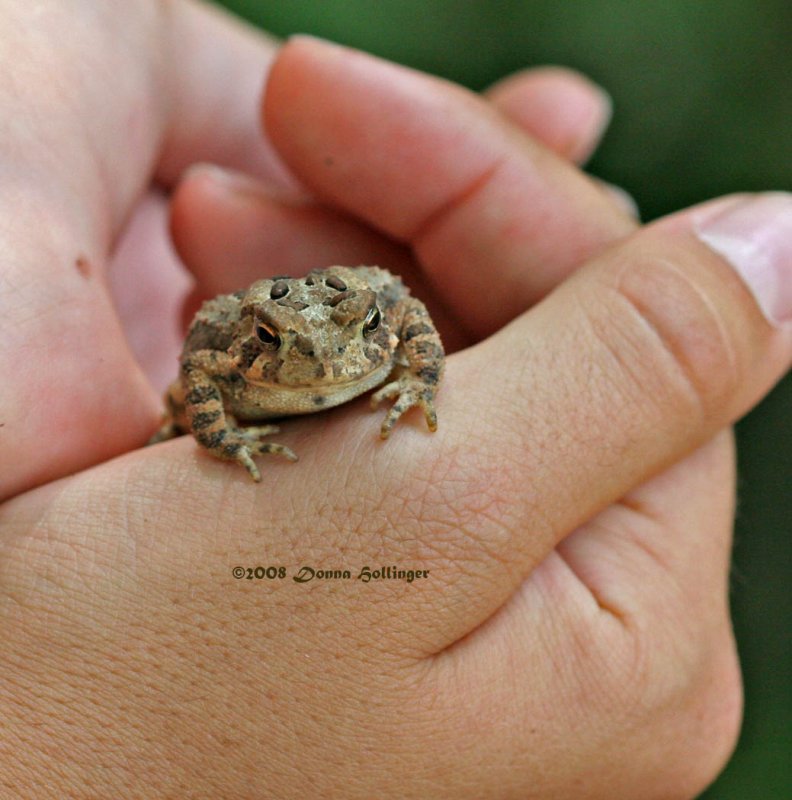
212,172
597,112
224,183
242,187
309,38
754,235
622,198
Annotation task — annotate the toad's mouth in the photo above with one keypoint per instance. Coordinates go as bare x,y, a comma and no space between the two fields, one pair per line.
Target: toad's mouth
369,378
301,387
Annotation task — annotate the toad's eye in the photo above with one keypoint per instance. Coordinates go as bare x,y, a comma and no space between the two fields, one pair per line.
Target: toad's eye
268,336
372,321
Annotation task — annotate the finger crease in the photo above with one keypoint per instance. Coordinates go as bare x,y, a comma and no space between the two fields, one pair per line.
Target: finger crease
602,604
688,380
454,203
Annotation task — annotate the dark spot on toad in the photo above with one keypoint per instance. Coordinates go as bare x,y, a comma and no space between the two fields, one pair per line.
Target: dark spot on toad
211,440
304,345
429,349
200,394
250,351
203,419
336,299
417,329
279,289
429,374
374,355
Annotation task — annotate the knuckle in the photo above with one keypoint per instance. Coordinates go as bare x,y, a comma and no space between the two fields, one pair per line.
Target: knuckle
672,336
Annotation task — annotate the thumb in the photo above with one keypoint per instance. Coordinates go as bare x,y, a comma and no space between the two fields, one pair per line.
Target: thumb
632,363
644,354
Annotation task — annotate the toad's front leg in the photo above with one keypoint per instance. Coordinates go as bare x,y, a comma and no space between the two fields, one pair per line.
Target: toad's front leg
417,384
212,427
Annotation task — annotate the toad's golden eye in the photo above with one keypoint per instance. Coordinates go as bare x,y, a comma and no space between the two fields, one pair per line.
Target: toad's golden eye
268,336
372,321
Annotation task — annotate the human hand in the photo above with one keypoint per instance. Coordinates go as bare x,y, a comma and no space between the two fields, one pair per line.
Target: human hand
144,618
673,608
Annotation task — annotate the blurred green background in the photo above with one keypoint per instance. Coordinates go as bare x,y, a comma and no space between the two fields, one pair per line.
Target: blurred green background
703,106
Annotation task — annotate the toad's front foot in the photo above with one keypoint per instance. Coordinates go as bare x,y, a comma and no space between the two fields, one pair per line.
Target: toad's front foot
409,391
243,444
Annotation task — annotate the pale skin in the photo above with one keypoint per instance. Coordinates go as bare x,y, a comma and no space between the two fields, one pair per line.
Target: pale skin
574,507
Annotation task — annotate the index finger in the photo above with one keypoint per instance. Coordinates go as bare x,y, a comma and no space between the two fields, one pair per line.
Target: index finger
496,219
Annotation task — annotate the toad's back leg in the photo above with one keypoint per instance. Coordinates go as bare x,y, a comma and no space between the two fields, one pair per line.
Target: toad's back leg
174,421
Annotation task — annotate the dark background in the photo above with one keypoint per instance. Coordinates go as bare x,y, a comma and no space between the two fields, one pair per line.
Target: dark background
703,106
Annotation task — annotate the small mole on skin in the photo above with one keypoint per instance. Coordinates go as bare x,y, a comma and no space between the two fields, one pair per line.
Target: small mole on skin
83,266
329,161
